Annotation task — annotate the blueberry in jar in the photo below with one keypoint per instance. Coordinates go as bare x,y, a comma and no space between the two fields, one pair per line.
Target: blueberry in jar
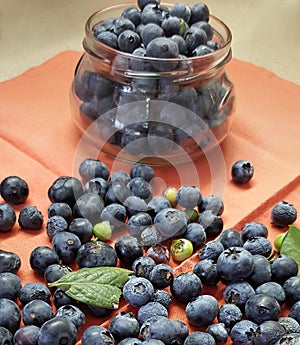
36,312
108,38
14,189
9,262
65,189
242,171
199,12
57,331
201,50
152,13
128,249
41,257
34,290
138,291
283,214
133,14
181,10
143,3
128,41
95,254
171,26
26,335
30,218
194,37
10,285
7,217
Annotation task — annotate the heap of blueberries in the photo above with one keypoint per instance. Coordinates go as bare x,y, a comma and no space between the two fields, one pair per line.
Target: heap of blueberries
153,35
143,227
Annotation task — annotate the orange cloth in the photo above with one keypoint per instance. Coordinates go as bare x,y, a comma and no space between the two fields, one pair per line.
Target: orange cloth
39,142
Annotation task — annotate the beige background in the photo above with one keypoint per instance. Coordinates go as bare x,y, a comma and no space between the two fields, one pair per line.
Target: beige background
265,32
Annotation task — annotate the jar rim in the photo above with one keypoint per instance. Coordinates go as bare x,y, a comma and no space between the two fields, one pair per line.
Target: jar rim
99,47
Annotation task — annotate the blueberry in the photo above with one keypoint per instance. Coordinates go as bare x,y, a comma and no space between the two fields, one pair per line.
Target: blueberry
292,339
163,297
138,291
89,206
134,205
194,37
283,214
283,267
97,335
262,307
268,332
161,275
30,218
206,270
181,10
65,189
201,50
261,272
212,224
7,217
159,253
128,41
213,45
243,332
211,250
26,335
235,263
181,331
142,170
206,27
133,14
14,189
253,229
181,43
122,24
186,286
142,266
150,237
196,234
156,204
151,309
189,196
140,188
202,310
124,325
290,324
238,293
41,257
128,249
96,185
229,314
152,13
10,285
56,224
95,254
115,214
34,291
72,313
163,48
170,221
130,341
98,311
231,238
36,312
81,227
55,271
60,209
219,333
117,193
60,298
242,171
143,3
138,222
211,203
6,337
198,337
258,245
108,38
171,26
163,329
273,289
10,315
66,245
9,262
292,289
199,12
57,331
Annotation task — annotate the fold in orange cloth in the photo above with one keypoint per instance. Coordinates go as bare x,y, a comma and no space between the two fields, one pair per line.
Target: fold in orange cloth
39,142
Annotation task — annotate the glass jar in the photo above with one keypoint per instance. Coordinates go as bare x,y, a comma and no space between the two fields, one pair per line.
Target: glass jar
158,111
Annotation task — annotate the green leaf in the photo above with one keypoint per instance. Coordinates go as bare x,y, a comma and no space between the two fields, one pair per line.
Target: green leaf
290,245
98,286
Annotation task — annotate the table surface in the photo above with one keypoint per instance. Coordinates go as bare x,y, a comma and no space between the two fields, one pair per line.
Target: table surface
265,32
